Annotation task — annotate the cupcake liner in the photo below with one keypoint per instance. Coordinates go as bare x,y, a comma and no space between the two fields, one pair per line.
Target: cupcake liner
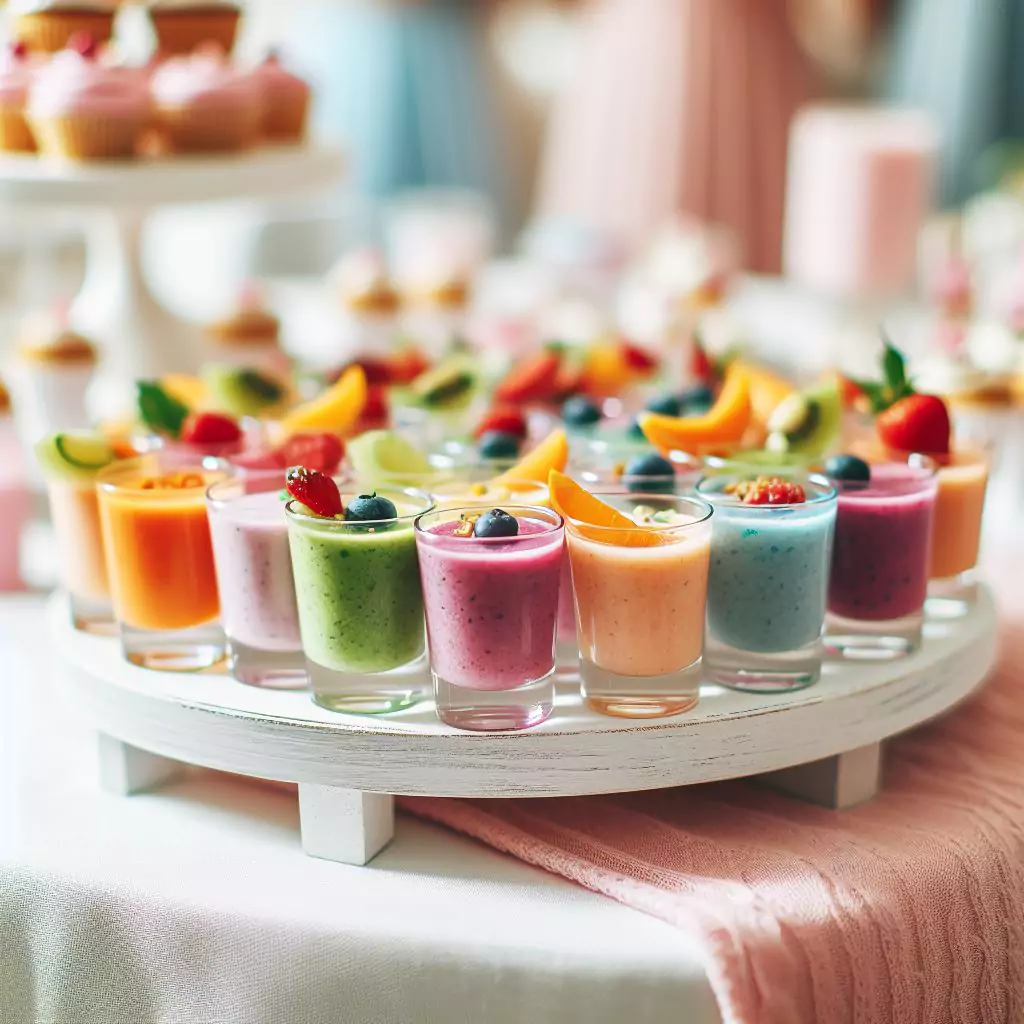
193,130
49,31
74,137
180,31
15,134
284,120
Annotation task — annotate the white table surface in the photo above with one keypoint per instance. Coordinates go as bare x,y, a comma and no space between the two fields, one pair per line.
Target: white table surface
196,904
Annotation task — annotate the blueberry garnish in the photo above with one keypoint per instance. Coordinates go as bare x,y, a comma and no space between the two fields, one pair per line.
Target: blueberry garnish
580,411
665,405
848,468
697,400
496,523
370,508
651,473
497,444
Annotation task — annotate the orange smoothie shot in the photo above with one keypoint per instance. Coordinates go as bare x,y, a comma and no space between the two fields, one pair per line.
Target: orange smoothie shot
640,575
959,504
160,559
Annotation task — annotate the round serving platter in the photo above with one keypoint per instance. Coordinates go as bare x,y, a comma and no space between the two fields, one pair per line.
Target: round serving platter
152,721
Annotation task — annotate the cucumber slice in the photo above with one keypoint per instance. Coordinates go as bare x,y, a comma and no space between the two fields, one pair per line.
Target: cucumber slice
74,456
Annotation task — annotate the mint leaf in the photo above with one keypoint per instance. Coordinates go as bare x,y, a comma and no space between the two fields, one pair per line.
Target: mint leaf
161,412
894,368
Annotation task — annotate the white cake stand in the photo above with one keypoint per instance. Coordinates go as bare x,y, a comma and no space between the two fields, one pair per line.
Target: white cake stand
822,744
115,306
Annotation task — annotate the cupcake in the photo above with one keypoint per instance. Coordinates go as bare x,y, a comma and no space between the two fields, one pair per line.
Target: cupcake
285,99
369,322
46,26
183,25
205,105
80,110
249,337
15,79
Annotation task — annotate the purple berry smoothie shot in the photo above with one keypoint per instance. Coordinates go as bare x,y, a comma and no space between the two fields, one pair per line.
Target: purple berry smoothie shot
491,583
254,577
879,577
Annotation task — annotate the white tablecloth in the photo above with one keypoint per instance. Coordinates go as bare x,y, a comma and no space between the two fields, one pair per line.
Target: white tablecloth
196,905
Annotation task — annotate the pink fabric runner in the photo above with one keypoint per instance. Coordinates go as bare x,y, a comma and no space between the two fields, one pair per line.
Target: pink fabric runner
908,909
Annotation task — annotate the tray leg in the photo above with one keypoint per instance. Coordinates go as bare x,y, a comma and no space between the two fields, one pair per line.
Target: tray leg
838,782
125,769
344,824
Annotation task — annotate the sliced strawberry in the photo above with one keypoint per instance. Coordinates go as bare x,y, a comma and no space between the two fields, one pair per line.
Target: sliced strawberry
532,380
201,428
504,418
638,358
916,423
317,491
768,490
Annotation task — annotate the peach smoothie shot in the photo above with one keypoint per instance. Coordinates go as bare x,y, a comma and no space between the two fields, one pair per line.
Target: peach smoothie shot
640,575
160,560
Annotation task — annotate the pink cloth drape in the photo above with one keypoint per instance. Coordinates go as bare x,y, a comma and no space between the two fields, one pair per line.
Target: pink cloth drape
678,106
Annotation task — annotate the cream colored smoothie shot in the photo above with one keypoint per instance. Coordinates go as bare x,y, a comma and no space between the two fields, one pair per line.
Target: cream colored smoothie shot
640,575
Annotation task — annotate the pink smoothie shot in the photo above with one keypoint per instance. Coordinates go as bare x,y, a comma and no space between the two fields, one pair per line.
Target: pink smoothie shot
491,605
882,543
254,572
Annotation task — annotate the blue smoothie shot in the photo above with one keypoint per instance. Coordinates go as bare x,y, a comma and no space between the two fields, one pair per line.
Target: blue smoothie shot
768,584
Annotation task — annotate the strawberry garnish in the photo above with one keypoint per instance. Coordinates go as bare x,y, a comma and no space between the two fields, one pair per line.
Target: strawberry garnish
849,391
701,367
210,428
637,358
84,44
317,491
916,423
504,418
375,411
407,365
767,490
533,380
314,451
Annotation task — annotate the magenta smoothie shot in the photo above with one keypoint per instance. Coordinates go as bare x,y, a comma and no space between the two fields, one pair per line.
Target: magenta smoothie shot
254,576
491,581
879,574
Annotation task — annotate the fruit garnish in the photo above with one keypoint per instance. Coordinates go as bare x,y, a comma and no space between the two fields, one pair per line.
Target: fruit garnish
848,468
496,523
17,49
314,451
317,491
695,401
724,423
701,367
382,456
767,389
444,386
532,380
894,384
407,365
506,418
917,423
580,411
159,409
243,392
646,515
181,480
465,526
807,422
651,472
767,490
210,428
79,455
551,453
84,44
191,391
370,508
337,410
496,444
666,405
638,358
579,505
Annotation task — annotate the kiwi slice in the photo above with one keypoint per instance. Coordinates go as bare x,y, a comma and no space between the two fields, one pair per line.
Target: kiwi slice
807,422
243,392
444,386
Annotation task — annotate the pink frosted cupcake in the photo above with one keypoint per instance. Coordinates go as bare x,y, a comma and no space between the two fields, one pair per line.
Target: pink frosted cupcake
15,79
285,100
205,105
79,109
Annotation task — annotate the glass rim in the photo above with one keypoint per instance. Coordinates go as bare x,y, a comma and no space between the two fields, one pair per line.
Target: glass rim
542,509
928,480
240,480
107,482
827,489
406,492
693,499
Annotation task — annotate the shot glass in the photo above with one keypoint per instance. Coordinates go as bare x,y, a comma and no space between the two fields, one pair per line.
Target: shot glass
492,609
254,577
879,575
75,513
640,598
768,586
361,607
159,558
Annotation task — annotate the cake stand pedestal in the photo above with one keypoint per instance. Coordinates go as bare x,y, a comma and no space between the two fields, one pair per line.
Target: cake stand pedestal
140,338
822,744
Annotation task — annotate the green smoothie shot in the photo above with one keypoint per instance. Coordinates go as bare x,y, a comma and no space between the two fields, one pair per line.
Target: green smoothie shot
360,602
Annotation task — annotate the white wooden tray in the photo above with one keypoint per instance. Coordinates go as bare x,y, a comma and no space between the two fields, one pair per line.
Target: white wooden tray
821,743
